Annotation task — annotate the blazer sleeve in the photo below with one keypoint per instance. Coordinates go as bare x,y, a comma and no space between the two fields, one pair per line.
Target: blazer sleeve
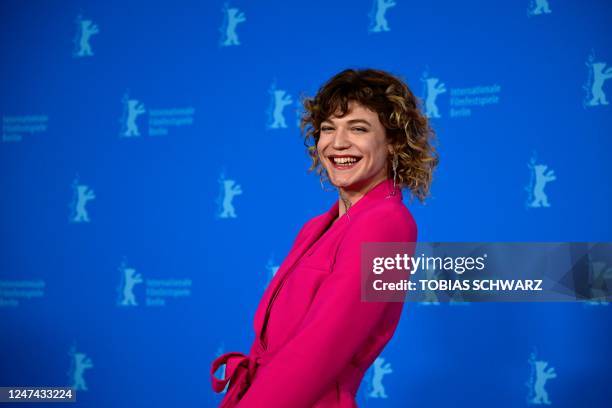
336,326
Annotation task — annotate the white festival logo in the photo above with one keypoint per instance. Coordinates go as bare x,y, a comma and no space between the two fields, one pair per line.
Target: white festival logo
232,17
81,195
538,7
85,29
132,108
378,21
433,88
540,177
129,279
598,74
380,370
229,189
540,374
279,100
79,362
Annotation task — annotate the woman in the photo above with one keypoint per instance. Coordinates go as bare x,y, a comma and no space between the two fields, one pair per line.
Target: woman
314,337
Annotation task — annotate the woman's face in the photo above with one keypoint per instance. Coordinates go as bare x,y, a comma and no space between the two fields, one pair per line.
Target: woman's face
353,149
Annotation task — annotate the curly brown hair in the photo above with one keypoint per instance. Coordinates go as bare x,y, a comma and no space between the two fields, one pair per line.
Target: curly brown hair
407,128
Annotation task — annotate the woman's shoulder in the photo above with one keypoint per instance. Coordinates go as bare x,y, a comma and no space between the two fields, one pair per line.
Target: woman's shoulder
387,218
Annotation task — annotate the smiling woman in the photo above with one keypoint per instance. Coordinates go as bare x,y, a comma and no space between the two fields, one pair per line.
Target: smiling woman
356,103
314,337
354,151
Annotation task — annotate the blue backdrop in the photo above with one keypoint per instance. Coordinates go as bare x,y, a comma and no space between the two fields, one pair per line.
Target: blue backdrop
147,144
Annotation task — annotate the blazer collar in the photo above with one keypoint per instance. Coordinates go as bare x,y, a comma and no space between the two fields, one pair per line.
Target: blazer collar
381,191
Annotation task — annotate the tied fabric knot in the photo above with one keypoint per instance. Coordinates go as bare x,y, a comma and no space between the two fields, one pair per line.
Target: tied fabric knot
239,372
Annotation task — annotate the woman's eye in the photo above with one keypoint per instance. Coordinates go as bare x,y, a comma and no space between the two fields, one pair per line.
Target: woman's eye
358,129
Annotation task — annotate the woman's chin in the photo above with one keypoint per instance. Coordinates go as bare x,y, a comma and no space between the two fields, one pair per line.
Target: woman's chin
340,182
344,184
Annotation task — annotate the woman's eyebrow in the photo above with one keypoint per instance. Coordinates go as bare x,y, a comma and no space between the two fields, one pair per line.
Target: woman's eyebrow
350,122
359,121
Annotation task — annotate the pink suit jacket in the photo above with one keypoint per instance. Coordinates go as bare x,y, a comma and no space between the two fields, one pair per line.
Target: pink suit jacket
314,337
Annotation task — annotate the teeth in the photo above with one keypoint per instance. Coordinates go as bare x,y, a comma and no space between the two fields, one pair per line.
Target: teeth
344,160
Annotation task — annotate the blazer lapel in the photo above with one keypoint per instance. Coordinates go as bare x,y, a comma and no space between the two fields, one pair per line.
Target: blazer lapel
292,258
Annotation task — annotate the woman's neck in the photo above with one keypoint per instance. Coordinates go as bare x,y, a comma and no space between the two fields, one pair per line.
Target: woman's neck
348,198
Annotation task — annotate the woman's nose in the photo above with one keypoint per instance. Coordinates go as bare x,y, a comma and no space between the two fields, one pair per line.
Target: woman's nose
340,139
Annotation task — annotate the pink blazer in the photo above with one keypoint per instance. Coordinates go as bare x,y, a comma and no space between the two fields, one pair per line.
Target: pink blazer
314,337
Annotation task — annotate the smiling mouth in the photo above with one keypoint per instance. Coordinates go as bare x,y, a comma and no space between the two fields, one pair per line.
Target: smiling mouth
343,162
